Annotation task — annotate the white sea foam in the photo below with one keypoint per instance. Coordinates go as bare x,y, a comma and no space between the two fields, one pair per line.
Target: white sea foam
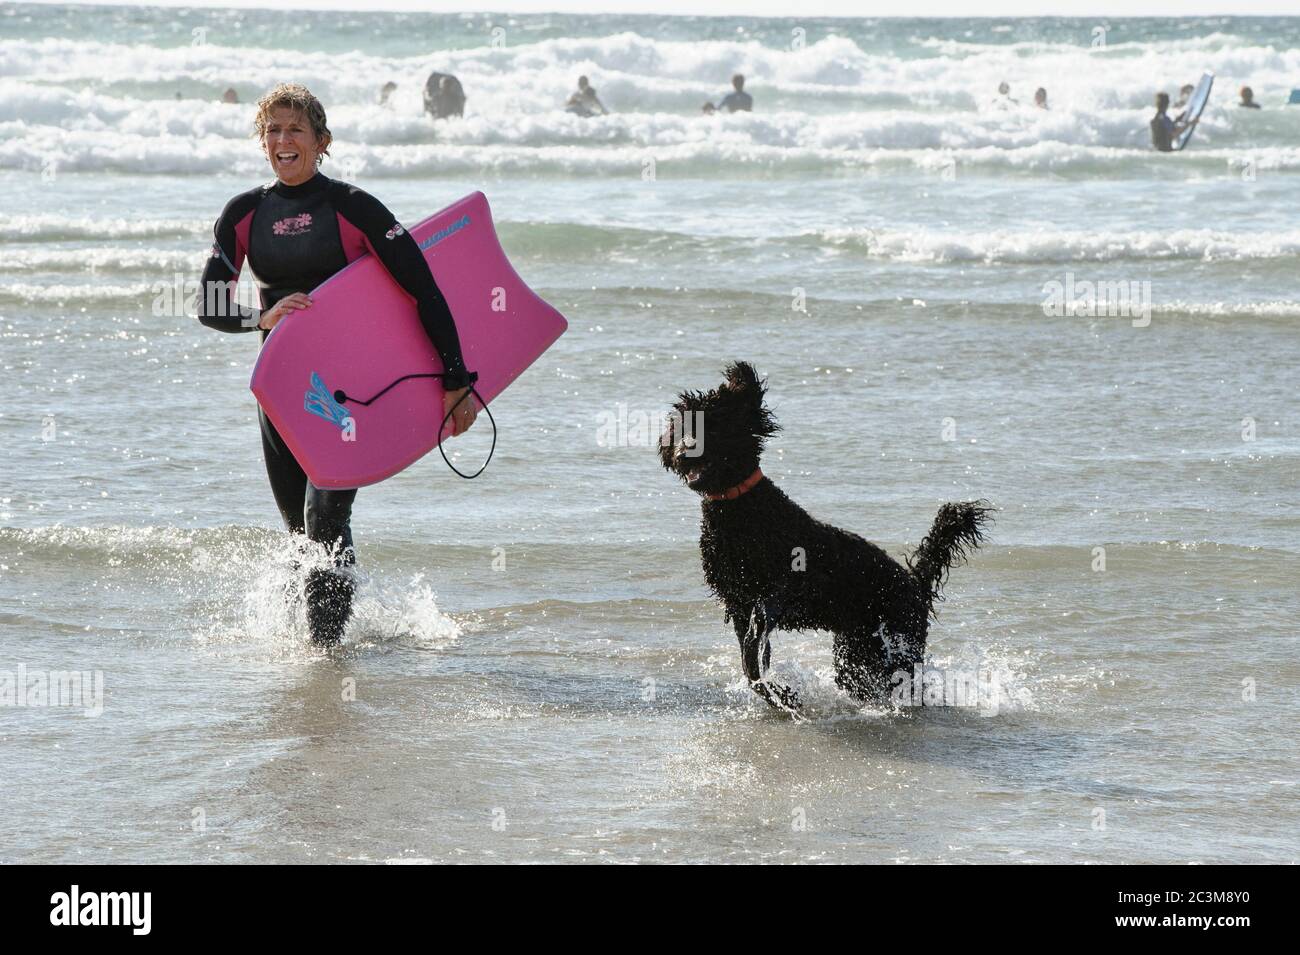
52,226
105,258
81,152
1065,245
87,105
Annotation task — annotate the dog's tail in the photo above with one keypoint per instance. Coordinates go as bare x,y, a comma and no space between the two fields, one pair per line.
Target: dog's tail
958,529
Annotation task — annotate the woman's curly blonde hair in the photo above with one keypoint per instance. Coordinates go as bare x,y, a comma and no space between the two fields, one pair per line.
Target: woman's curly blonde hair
298,98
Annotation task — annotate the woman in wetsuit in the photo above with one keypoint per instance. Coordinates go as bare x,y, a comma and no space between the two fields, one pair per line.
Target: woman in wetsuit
295,233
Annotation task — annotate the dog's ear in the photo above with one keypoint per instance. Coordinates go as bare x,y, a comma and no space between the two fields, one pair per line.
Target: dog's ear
742,378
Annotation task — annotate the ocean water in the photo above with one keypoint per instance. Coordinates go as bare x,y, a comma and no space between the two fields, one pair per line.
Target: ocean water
536,671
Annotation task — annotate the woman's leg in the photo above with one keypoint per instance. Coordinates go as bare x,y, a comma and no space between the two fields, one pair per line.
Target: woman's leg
288,480
325,517
329,592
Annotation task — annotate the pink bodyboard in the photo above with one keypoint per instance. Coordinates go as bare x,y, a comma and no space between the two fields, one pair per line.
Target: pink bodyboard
362,333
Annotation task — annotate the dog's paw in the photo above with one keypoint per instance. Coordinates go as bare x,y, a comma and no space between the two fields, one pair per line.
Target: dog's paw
777,694
787,698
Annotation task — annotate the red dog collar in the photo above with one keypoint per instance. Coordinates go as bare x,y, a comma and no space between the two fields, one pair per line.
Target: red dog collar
731,493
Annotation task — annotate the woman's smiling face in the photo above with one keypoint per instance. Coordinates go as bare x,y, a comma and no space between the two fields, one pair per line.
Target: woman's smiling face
291,146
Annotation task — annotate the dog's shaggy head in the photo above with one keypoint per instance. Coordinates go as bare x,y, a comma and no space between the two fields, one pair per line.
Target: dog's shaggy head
714,439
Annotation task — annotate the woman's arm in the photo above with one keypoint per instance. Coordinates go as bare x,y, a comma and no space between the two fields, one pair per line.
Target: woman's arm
217,307
389,242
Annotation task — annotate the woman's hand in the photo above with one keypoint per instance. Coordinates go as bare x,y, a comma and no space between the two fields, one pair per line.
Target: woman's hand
465,413
282,308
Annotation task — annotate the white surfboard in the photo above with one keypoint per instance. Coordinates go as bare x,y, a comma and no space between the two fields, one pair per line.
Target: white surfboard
1195,106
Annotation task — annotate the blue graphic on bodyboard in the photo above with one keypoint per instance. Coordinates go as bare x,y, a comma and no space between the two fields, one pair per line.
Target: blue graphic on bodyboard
319,400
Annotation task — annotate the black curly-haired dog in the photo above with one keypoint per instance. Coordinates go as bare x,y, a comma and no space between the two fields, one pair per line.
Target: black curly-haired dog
774,567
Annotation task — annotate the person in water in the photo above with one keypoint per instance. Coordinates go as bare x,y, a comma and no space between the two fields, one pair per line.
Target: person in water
1040,98
1248,98
1164,129
1184,94
585,102
1004,98
294,233
444,97
737,101
386,91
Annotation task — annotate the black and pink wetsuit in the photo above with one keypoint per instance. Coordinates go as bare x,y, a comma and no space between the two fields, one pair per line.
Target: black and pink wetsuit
294,238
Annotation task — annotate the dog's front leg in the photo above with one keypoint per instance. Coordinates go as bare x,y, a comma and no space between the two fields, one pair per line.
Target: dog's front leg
756,654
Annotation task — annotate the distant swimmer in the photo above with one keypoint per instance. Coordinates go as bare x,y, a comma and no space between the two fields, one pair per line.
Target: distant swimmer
584,101
708,109
1004,99
737,101
1164,129
1040,98
1184,94
385,91
230,96
1248,98
444,97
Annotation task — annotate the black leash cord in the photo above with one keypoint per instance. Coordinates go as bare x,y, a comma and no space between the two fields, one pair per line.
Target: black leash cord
342,396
